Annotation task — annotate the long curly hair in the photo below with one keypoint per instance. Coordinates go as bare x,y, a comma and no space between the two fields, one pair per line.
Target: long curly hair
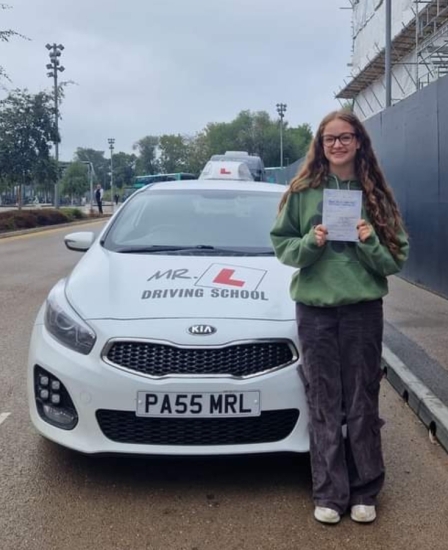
380,203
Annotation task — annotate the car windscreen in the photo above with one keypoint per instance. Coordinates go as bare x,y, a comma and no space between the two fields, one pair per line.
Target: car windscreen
238,221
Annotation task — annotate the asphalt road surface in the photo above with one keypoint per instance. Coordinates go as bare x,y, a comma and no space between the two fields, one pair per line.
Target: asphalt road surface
52,498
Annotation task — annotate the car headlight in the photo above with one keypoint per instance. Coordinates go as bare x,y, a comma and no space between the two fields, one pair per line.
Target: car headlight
64,324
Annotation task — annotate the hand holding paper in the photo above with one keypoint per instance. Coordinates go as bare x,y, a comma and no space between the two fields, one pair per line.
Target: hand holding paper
341,214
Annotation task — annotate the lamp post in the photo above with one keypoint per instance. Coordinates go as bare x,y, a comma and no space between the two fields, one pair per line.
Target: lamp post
54,68
111,142
388,53
281,110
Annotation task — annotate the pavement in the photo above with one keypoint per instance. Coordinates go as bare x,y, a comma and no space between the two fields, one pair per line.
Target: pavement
415,346
415,353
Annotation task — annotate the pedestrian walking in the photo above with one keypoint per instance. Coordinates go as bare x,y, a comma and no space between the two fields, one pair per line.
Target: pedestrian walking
99,198
338,292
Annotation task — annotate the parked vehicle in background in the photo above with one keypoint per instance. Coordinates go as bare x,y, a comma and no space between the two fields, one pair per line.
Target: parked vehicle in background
226,170
254,162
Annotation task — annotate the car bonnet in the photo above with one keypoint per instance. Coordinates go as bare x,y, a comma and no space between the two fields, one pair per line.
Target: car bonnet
109,285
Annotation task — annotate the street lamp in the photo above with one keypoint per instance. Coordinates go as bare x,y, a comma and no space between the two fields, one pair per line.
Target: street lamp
54,68
111,142
281,110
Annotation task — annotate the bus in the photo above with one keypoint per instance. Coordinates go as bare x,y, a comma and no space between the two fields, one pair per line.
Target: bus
141,181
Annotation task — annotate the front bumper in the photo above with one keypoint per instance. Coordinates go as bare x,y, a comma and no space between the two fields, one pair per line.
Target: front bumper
105,397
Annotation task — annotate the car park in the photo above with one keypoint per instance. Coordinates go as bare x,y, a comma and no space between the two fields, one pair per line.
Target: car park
174,334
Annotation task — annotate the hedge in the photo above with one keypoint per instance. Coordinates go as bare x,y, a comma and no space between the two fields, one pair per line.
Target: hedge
13,220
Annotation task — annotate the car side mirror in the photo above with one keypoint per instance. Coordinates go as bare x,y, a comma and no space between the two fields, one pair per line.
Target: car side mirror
81,241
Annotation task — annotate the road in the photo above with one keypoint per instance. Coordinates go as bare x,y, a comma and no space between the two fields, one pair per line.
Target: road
51,498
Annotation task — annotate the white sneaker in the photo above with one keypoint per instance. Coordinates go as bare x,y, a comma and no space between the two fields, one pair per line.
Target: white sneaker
362,513
326,515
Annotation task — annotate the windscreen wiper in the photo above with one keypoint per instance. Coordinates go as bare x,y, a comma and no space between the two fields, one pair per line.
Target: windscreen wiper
154,249
161,248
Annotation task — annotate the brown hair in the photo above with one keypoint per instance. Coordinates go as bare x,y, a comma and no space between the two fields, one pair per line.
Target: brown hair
381,206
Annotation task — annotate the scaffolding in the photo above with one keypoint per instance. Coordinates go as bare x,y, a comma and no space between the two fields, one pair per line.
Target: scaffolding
426,35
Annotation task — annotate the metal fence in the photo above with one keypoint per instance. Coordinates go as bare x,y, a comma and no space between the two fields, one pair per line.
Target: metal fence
285,175
411,141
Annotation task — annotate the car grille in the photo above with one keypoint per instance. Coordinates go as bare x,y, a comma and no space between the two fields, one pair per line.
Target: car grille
126,427
239,360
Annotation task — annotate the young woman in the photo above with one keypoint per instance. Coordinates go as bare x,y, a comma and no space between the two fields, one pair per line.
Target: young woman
338,293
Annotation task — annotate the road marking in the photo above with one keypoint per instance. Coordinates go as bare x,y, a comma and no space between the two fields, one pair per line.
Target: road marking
3,417
8,238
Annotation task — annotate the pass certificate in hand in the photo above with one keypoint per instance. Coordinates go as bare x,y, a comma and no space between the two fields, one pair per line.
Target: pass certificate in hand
341,213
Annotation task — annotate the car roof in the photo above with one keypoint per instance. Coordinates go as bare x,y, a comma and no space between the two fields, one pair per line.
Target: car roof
221,185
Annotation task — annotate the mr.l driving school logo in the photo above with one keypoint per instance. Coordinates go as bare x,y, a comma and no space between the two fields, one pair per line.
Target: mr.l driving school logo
217,281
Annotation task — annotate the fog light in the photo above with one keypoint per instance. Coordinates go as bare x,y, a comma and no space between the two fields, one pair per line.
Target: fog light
44,394
53,401
60,416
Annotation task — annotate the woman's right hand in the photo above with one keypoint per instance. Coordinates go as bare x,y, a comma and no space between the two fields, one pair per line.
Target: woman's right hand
320,233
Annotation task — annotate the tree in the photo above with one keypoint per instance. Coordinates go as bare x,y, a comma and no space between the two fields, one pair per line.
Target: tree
101,165
198,153
26,133
75,181
4,37
174,152
124,169
147,162
257,134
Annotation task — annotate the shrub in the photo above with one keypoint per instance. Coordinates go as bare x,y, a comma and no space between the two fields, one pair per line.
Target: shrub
27,219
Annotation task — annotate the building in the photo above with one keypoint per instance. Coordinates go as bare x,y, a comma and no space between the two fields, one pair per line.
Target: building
419,51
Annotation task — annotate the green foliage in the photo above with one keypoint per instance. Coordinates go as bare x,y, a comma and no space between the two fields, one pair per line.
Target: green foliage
75,181
124,169
254,132
73,213
12,220
174,154
26,132
101,165
147,162
258,134
5,37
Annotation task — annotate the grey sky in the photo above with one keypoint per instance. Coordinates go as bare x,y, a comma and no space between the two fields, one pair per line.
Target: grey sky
171,66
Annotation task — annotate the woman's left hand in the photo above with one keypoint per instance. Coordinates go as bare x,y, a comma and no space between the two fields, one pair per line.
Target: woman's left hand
365,230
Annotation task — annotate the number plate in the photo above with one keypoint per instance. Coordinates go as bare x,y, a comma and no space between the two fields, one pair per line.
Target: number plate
202,405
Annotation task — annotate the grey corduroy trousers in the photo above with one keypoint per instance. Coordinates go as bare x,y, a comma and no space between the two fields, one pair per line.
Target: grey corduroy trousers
341,371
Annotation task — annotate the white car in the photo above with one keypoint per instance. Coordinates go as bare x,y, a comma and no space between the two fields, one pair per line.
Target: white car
175,333
226,170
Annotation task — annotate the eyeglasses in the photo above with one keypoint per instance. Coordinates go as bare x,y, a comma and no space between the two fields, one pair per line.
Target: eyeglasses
344,139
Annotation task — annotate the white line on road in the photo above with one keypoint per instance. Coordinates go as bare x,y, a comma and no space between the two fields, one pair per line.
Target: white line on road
3,417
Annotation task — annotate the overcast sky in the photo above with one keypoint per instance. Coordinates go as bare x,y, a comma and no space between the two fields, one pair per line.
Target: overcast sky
171,66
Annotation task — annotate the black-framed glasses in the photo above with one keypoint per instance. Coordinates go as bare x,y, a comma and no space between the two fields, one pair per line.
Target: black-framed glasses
346,138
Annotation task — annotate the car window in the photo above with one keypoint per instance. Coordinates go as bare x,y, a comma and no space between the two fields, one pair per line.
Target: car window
225,219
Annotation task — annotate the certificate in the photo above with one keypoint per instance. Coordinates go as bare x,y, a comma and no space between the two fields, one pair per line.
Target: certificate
341,213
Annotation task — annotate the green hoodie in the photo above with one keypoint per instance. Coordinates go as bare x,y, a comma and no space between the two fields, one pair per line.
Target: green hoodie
338,273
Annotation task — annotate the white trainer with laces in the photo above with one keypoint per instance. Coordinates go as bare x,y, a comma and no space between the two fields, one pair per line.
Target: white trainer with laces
326,515
362,513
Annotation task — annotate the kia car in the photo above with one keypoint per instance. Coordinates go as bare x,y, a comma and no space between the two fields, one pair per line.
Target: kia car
175,333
